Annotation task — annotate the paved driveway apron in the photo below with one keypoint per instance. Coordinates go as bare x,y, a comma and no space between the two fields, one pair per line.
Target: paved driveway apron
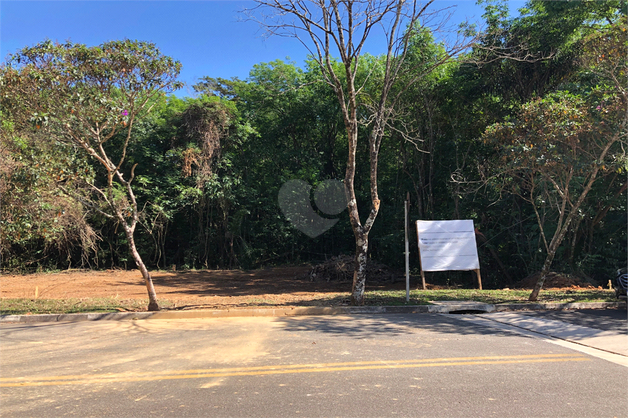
601,319
354,365
605,330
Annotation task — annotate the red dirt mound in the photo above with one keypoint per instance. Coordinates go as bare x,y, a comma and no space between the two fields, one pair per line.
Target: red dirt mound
553,280
340,270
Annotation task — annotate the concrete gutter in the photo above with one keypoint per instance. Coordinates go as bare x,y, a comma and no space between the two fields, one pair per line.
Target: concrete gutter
612,341
436,307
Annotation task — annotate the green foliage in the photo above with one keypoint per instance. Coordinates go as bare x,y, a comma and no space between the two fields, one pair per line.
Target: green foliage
540,94
555,149
38,224
87,99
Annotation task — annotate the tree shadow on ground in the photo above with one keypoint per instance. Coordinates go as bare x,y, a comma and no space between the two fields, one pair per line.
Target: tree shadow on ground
602,319
370,326
241,282
272,281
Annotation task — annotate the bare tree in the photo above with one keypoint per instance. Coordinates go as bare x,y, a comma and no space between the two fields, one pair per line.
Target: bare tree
329,27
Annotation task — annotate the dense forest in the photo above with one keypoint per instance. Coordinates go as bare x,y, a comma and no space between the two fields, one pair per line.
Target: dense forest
524,132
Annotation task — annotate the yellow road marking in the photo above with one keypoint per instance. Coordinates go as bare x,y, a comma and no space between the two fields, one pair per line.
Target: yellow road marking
297,366
283,369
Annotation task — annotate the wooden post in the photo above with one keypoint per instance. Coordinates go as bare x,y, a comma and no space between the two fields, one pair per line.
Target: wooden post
477,271
420,261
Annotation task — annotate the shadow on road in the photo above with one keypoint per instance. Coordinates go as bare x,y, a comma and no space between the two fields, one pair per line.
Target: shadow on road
367,326
601,319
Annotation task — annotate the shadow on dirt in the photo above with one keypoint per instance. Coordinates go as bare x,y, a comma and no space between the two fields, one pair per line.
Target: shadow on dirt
237,282
271,281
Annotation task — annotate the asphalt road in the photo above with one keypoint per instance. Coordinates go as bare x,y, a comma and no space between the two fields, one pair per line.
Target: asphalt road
357,366
602,319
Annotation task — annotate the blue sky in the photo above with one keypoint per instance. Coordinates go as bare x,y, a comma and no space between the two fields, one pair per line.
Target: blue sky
210,38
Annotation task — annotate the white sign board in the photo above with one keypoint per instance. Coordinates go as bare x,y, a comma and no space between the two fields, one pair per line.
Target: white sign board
447,245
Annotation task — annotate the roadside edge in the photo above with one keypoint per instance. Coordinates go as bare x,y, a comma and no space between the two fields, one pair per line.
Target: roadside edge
438,307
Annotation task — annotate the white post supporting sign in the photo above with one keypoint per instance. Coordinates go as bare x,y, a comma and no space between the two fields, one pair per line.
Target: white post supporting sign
405,227
448,245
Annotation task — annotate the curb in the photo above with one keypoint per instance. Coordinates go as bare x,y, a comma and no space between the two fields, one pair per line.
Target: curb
438,307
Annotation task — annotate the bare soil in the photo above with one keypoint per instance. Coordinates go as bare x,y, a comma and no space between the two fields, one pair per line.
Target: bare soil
280,286
189,289
554,281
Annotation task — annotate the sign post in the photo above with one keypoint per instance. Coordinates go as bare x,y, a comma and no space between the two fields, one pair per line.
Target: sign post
405,226
448,245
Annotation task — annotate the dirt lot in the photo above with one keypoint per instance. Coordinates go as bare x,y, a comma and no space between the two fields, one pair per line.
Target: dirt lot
215,288
208,288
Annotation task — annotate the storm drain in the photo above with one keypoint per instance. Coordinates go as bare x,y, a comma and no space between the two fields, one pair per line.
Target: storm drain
467,312
460,307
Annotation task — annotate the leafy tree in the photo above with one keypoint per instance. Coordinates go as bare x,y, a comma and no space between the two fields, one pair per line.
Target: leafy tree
90,98
38,224
295,131
518,61
344,27
558,147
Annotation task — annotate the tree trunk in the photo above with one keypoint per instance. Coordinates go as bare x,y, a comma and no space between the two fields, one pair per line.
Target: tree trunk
152,296
562,228
539,283
551,252
359,273
361,236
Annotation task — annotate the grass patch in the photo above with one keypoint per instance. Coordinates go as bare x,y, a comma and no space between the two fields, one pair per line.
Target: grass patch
422,297
27,306
71,305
